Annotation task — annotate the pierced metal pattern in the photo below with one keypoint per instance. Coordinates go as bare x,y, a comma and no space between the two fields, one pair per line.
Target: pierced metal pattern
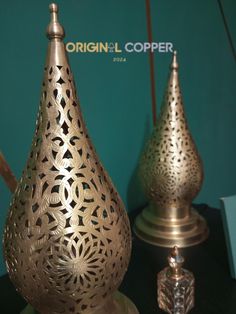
171,167
172,174
67,238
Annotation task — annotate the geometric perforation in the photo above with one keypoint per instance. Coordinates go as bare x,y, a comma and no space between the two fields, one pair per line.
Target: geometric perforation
76,239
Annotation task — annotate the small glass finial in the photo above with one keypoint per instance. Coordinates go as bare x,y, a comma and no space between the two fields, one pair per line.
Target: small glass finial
174,65
175,260
55,29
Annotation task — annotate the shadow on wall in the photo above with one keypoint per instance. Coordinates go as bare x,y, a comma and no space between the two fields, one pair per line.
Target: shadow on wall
135,195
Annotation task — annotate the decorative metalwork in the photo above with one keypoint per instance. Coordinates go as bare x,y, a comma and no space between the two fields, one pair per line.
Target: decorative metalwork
67,239
172,173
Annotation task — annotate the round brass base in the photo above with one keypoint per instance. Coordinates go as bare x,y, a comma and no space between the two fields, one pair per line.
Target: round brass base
118,304
183,232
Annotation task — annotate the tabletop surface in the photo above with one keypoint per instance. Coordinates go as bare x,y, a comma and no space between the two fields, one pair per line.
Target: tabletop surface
215,291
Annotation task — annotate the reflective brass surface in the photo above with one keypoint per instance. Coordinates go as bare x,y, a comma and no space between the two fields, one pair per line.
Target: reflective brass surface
171,172
67,238
118,303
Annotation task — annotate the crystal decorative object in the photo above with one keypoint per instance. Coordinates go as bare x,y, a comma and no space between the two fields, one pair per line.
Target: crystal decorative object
67,238
175,286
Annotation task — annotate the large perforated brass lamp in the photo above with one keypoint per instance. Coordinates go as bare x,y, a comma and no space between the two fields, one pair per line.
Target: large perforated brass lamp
67,238
171,172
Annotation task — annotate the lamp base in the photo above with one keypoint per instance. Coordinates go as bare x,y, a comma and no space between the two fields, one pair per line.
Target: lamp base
184,232
118,304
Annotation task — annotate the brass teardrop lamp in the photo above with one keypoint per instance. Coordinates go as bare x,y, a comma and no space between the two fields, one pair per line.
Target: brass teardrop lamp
67,238
171,172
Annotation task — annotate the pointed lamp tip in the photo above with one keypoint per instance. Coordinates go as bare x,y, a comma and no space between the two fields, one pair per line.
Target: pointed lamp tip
174,65
54,30
53,7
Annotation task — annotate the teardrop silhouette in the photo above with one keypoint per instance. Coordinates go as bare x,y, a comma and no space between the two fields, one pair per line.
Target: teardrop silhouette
67,239
171,172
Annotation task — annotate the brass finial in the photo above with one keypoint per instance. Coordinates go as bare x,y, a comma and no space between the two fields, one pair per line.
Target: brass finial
175,260
174,65
55,30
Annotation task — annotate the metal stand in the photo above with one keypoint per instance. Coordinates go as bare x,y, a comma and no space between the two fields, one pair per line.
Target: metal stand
118,304
188,231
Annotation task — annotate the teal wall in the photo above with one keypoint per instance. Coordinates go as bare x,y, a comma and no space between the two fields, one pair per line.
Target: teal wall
115,97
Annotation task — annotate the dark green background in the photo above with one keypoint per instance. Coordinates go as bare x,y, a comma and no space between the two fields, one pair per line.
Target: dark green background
115,97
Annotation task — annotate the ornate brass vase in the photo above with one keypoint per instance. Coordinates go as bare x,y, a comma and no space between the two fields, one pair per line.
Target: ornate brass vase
171,172
67,238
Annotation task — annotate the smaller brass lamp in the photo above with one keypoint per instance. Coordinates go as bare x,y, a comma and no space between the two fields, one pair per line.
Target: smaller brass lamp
172,174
